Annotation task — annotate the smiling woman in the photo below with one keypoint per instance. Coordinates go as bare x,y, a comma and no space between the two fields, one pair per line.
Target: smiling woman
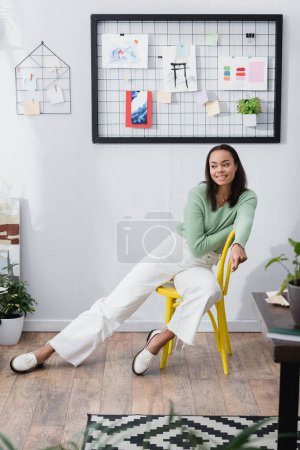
213,209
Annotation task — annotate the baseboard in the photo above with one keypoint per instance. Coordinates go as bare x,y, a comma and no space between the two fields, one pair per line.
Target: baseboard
234,326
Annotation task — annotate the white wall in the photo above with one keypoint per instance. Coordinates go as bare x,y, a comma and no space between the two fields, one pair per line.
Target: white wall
75,192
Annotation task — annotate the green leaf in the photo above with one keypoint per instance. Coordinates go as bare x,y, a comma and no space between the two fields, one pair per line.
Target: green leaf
61,447
295,245
243,437
171,413
283,286
277,259
249,106
6,442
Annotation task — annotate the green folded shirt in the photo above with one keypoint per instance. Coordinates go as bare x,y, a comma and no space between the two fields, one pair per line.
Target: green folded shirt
207,230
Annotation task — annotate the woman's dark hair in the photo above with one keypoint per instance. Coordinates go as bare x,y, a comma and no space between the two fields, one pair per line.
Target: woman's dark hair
239,183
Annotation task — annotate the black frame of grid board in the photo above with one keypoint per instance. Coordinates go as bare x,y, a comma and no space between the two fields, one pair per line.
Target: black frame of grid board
277,18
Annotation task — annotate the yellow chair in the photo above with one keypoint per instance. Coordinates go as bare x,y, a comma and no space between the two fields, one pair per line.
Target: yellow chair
173,299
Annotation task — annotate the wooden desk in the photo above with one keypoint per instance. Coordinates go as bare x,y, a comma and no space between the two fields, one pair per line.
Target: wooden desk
288,355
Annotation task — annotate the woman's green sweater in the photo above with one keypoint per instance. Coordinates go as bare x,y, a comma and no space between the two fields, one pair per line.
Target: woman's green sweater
207,230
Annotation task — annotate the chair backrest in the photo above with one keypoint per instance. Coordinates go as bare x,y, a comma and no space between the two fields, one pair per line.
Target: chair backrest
221,265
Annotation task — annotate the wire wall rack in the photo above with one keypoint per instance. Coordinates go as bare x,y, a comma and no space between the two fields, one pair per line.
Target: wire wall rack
43,83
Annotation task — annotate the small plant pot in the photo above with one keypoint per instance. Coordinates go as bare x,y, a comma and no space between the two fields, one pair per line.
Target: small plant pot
10,330
294,299
249,120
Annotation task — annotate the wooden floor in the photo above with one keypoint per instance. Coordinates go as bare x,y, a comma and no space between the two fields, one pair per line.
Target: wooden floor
49,405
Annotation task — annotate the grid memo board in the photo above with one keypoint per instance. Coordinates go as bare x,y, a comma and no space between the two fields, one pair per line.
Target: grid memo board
184,120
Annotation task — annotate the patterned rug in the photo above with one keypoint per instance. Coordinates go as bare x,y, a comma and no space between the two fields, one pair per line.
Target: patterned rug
135,432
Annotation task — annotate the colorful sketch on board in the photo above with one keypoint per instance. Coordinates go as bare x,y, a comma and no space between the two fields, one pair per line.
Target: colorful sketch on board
242,73
179,69
138,109
9,235
125,51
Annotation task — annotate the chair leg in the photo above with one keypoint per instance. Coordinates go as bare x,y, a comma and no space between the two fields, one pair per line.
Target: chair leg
222,334
216,331
223,351
170,346
171,342
227,338
168,316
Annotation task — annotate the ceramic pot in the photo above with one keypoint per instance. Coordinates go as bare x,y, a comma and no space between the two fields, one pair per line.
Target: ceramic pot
11,329
249,120
294,299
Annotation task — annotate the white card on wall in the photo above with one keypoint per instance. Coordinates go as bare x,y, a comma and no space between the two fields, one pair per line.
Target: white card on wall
179,70
237,73
125,51
55,95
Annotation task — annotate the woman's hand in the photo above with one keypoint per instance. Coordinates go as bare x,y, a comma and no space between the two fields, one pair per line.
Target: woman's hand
237,256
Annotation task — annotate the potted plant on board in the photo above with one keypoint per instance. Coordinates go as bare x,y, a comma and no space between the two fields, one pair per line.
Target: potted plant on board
249,107
291,281
15,303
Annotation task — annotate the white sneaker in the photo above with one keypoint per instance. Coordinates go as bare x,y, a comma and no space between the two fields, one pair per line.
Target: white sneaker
142,359
24,363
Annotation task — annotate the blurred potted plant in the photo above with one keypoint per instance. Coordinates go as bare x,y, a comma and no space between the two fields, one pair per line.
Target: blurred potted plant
292,280
15,303
249,107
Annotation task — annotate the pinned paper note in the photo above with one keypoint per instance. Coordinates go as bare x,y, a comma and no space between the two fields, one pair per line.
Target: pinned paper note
202,97
182,51
55,95
179,73
31,107
243,73
29,82
211,39
124,51
164,97
52,63
213,108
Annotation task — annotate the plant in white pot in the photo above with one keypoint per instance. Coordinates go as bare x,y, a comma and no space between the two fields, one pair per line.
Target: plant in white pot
249,107
15,303
292,280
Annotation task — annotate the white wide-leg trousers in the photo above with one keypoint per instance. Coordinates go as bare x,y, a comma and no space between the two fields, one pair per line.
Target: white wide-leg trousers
172,259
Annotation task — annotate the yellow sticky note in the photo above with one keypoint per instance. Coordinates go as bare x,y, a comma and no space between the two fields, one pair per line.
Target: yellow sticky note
164,97
31,107
212,108
211,39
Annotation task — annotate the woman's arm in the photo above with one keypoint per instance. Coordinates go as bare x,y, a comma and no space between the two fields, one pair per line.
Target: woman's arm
199,243
244,219
242,227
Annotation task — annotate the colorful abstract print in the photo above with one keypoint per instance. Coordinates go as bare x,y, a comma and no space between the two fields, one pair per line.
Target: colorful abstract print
138,109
